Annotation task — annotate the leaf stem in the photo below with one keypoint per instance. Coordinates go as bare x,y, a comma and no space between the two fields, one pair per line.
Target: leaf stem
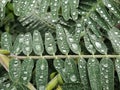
65,56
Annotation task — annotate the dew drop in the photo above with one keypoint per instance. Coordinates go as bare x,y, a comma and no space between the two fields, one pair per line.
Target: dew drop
42,67
42,88
73,78
98,44
24,78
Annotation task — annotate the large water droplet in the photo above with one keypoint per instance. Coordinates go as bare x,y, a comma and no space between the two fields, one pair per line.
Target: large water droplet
42,67
73,78
98,44
42,88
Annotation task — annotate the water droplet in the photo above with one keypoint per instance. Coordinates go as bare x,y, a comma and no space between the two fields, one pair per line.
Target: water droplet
107,81
75,46
8,85
109,5
73,78
25,72
24,78
71,39
42,67
106,76
41,76
105,65
98,44
116,33
42,88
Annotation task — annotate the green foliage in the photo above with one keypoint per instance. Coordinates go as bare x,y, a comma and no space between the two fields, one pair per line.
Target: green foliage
41,74
58,29
26,71
94,74
15,70
107,73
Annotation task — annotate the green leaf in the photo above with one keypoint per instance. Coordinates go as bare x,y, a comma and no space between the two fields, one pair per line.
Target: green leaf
71,71
41,74
72,86
6,41
59,66
14,70
50,45
73,6
2,8
117,66
82,66
18,44
55,6
99,20
20,87
26,71
4,78
114,36
62,40
89,46
107,74
110,4
2,12
73,44
104,14
65,9
6,85
94,74
27,44
44,7
37,43
93,26
78,30
98,43
22,7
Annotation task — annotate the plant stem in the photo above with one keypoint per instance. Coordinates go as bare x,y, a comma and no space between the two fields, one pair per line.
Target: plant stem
64,56
52,83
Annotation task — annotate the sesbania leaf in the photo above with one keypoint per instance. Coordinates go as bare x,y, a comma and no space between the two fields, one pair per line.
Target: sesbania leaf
23,7
78,30
99,20
98,43
27,44
110,4
6,85
15,70
62,40
89,46
59,66
55,6
73,8
6,41
82,66
93,26
50,45
73,44
41,74
104,14
65,9
94,74
43,7
117,67
26,71
107,74
37,43
18,44
71,70
114,36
